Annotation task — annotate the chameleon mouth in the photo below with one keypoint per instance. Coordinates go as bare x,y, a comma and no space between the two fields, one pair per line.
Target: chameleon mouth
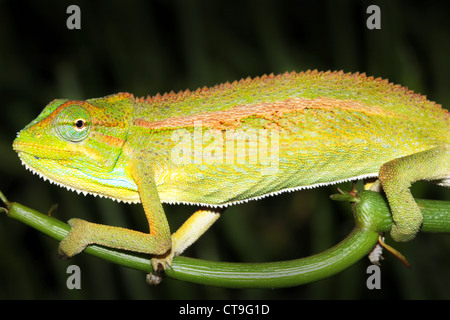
38,151
33,162
76,181
30,162
27,158
34,171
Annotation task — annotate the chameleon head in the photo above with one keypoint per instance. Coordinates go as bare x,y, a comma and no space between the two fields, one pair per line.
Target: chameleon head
77,144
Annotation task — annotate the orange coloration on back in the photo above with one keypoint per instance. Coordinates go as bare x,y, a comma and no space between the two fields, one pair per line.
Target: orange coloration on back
278,108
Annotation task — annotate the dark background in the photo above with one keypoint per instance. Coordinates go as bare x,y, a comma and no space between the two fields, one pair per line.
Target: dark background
146,47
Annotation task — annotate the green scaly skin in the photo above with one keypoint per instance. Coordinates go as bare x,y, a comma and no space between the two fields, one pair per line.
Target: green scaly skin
312,129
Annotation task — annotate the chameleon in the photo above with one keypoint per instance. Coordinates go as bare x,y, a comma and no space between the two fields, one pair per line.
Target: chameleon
232,143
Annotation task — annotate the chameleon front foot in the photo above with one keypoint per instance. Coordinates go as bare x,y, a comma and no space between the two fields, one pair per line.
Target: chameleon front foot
84,233
75,241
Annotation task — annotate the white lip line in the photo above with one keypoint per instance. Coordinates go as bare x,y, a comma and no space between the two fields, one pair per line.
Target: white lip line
224,205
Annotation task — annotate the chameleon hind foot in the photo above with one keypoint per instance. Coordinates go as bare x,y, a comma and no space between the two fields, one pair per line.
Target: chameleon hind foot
161,262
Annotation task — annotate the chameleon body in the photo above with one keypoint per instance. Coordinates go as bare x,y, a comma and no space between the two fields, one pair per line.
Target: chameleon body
235,142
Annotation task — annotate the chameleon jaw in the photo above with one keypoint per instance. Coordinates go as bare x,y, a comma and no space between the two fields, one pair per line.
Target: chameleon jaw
52,180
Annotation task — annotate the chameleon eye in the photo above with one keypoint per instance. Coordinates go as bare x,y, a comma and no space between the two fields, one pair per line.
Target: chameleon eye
73,123
79,124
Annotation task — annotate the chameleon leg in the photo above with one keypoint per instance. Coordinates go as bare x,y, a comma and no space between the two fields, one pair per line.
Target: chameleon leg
196,225
157,241
396,177
193,228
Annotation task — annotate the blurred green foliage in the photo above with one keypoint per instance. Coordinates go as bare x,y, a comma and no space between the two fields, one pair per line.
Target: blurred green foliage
145,47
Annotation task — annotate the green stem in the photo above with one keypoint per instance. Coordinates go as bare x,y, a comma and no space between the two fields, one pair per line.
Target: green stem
371,215
278,274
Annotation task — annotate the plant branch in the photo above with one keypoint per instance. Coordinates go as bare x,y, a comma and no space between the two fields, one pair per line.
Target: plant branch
372,217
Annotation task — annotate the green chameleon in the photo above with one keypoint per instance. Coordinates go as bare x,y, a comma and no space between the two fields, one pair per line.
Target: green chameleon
235,142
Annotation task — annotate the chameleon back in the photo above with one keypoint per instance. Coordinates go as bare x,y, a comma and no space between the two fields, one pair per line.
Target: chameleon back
253,138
